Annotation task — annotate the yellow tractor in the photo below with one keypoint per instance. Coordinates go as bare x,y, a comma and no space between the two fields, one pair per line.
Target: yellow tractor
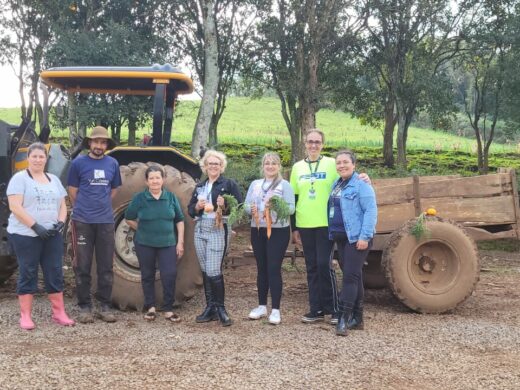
164,83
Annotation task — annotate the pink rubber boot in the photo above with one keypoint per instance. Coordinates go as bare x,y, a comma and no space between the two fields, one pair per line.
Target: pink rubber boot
58,310
25,302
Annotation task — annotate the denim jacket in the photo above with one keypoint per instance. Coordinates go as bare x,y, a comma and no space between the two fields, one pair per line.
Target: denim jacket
359,209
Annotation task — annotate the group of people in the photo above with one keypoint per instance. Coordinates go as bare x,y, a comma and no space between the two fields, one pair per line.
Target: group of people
329,203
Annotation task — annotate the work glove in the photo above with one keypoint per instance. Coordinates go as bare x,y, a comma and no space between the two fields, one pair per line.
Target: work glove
41,231
57,228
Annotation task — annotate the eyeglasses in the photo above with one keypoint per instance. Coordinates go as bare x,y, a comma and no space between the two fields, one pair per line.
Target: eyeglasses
213,164
317,143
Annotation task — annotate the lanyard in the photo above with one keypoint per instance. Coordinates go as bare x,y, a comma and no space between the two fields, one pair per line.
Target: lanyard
317,165
339,187
312,178
207,190
270,187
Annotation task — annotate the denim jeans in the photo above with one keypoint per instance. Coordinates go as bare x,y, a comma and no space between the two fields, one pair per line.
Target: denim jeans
33,251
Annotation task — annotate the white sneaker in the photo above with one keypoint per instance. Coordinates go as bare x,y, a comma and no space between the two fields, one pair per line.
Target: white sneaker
258,312
274,318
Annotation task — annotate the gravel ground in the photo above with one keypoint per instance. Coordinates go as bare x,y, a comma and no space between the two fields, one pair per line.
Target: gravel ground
477,346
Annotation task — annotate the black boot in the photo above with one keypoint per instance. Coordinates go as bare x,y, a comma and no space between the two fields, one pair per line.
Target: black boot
355,320
341,327
217,287
209,313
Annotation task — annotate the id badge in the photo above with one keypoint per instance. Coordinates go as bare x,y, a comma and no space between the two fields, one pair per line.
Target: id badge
331,212
312,194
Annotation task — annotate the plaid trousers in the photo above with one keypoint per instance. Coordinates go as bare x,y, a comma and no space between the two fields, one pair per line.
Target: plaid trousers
211,246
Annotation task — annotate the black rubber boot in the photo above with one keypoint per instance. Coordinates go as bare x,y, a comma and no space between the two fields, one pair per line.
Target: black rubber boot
217,287
355,320
209,313
341,327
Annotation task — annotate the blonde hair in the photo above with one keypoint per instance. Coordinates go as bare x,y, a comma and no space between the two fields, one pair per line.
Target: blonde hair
318,131
275,157
213,153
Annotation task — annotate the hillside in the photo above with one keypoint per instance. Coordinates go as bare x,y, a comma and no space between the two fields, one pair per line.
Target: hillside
259,122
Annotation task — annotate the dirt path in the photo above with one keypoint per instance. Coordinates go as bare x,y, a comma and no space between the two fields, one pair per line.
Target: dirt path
475,346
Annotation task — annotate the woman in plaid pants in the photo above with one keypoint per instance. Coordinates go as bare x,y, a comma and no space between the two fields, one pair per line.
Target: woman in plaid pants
211,235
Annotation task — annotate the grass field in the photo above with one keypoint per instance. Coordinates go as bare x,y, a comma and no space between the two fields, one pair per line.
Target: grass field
259,122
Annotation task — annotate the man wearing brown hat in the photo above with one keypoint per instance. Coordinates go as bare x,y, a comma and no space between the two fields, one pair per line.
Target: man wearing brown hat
92,183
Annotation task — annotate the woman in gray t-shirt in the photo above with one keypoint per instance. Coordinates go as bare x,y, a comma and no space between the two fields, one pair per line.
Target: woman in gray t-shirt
35,230
269,238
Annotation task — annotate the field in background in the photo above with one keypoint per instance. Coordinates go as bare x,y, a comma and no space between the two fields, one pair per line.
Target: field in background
259,122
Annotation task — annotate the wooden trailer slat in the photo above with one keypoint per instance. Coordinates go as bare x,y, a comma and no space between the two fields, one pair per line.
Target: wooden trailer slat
406,180
466,187
471,211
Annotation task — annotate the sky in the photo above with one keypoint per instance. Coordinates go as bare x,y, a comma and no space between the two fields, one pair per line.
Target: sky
9,96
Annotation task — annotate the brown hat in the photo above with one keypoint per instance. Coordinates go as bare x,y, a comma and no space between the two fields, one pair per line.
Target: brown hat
99,132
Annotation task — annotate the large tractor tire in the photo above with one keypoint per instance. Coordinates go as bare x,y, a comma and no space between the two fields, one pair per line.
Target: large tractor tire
127,292
8,265
435,273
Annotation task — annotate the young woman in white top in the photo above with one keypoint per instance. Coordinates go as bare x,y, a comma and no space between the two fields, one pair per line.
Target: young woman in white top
269,251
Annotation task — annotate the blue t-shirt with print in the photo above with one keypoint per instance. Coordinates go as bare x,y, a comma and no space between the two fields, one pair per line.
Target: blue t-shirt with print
94,179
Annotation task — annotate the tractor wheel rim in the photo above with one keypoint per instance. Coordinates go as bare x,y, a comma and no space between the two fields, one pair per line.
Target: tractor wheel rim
434,266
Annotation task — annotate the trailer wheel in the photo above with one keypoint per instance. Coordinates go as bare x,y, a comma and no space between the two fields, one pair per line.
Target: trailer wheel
435,273
127,291
8,265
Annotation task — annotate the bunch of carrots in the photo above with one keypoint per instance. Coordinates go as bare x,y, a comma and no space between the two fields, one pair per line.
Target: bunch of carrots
276,204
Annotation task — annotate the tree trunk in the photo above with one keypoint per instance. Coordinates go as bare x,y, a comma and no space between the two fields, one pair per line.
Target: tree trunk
213,138
309,91
388,136
297,149
132,127
484,168
401,139
115,130
211,75
480,149
72,123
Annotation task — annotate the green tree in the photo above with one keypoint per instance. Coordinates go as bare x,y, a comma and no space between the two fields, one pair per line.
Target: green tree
26,30
488,59
293,44
407,42
108,33
212,35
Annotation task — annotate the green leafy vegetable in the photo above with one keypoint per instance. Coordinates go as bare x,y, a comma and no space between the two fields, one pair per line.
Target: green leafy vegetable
281,208
419,229
237,214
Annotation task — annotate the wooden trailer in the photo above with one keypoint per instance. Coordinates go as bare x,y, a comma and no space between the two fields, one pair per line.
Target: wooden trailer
439,270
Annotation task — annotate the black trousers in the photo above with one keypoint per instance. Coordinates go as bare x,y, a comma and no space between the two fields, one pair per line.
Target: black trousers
87,239
321,278
352,261
269,254
167,259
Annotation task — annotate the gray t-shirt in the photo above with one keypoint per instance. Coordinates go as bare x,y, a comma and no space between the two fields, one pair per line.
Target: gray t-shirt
40,200
260,191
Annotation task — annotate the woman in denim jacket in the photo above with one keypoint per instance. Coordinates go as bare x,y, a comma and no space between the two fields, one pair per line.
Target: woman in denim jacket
352,213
